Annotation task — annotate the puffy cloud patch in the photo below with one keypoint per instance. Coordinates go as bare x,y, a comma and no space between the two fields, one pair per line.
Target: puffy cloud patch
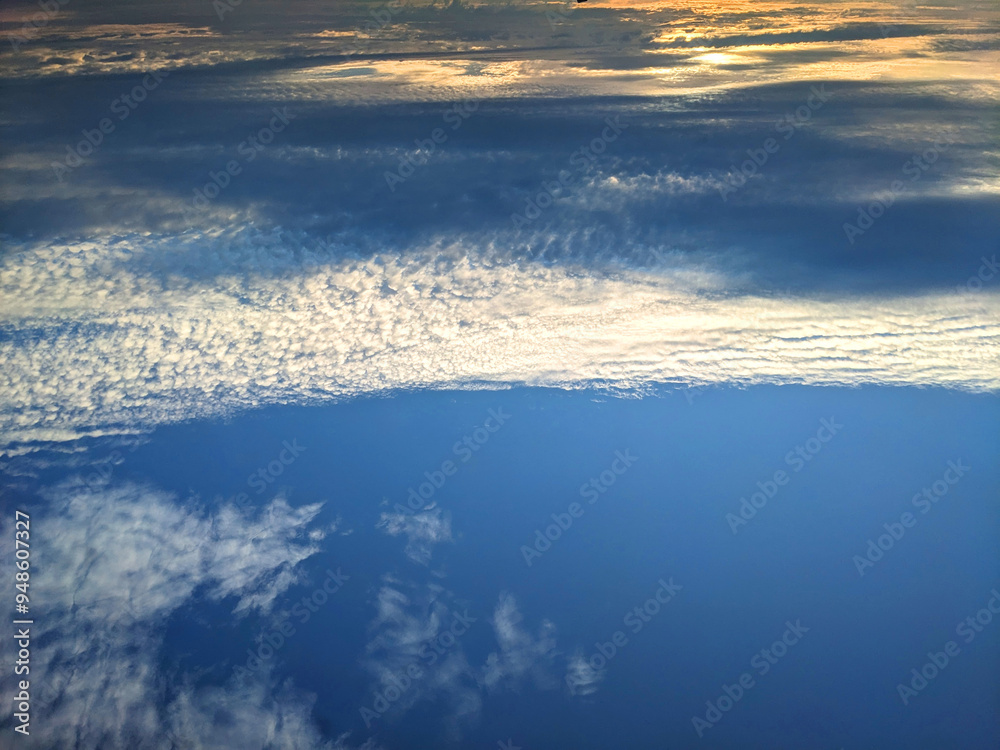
126,334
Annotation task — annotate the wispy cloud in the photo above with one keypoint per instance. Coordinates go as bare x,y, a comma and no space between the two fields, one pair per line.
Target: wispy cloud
520,654
118,563
422,530
581,677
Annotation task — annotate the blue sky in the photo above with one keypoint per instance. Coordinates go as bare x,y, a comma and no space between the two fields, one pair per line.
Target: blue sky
266,267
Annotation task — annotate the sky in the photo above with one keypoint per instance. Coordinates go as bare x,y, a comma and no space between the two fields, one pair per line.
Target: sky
267,269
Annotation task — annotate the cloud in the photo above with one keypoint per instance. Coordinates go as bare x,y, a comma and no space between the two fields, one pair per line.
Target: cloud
248,715
581,677
118,563
423,626
640,275
520,653
133,333
417,628
85,39
423,530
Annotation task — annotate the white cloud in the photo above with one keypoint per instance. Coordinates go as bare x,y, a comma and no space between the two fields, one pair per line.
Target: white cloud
581,677
520,653
117,564
120,334
414,625
409,631
423,530
252,717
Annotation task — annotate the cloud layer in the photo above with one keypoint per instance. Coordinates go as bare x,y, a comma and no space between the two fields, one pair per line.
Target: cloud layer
97,337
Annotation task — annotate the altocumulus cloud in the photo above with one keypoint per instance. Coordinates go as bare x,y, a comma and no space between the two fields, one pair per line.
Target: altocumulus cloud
112,333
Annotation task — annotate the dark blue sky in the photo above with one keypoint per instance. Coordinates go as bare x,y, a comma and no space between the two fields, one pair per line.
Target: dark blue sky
664,517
